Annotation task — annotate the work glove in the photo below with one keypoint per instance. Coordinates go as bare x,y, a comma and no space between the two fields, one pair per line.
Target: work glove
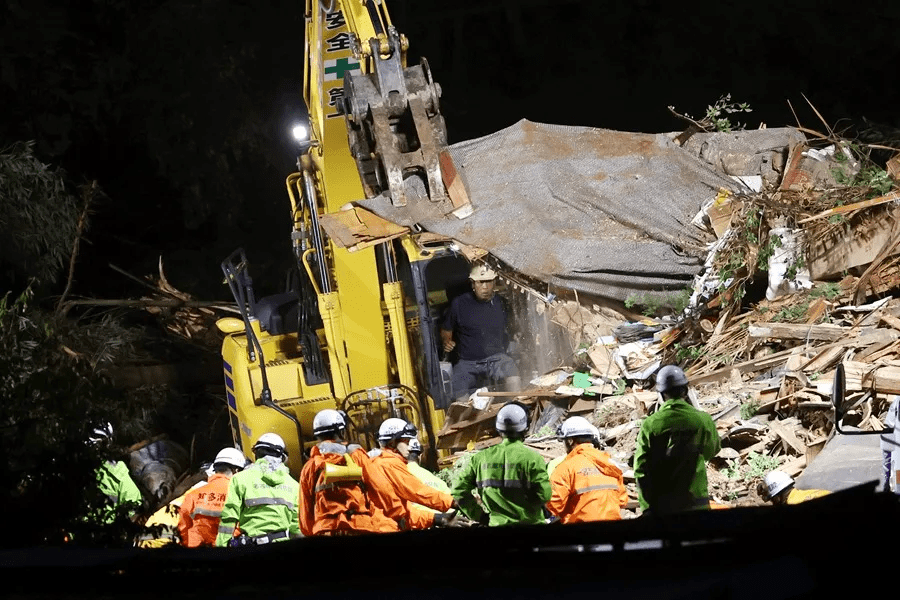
445,519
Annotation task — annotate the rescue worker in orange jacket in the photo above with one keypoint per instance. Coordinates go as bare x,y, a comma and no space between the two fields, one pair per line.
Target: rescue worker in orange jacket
341,491
201,509
586,485
393,437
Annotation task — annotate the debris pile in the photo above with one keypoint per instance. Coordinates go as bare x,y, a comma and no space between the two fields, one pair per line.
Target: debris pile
799,275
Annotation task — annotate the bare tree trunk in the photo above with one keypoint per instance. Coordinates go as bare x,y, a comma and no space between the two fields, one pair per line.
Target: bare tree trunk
87,192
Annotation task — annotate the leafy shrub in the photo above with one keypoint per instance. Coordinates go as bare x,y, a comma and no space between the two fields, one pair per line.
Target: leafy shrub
38,217
51,403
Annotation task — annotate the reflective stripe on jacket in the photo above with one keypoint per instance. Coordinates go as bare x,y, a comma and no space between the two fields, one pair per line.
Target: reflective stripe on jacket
262,499
511,480
670,457
410,490
587,487
199,514
346,506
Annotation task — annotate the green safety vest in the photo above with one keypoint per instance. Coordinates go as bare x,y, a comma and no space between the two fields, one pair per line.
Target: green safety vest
511,480
116,484
673,446
261,499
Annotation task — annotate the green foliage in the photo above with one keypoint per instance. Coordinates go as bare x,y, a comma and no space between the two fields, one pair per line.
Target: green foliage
766,252
760,464
757,466
828,290
687,353
719,114
449,474
736,261
748,409
545,431
51,403
38,216
792,313
752,224
732,469
869,176
652,304
796,266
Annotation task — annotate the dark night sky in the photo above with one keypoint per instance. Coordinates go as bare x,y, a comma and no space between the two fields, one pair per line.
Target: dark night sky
181,110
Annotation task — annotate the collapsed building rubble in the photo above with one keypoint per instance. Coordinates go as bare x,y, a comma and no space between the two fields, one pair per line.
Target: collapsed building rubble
775,267
803,255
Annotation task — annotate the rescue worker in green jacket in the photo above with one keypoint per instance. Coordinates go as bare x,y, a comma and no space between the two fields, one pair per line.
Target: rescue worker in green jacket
261,499
673,446
115,482
511,478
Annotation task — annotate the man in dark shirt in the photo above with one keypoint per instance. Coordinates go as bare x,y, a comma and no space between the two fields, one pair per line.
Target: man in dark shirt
478,319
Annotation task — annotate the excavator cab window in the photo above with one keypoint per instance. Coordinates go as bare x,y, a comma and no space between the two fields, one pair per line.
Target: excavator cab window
446,278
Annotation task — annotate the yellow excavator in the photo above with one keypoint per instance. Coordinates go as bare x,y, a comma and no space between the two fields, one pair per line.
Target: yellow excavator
357,329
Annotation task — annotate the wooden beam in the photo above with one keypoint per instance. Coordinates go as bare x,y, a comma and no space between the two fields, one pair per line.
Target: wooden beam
530,393
799,331
757,364
889,197
788,436
882,379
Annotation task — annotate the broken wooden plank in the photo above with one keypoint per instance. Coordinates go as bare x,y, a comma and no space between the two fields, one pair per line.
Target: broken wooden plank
815,311
765,362
582,405
837,210
788,437
882,379
825,359
758,447
794,466
893,167
799,331
891,320
456,188
874,352
857,244
528,393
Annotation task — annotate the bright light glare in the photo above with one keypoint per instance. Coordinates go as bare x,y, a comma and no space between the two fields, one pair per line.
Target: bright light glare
300,133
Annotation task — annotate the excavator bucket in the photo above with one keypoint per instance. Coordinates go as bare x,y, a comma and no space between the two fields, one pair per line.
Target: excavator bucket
396,130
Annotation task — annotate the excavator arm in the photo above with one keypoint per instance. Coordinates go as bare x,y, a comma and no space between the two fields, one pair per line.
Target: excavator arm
355,332
356,67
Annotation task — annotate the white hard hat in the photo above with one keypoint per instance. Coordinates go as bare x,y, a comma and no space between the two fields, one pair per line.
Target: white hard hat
414,445
670,376
231,456
395,429
328,421
103,433
482,273
577,427
777,481
511,419
271,441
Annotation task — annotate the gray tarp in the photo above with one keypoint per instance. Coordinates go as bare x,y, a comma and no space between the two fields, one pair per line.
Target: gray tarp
598,211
